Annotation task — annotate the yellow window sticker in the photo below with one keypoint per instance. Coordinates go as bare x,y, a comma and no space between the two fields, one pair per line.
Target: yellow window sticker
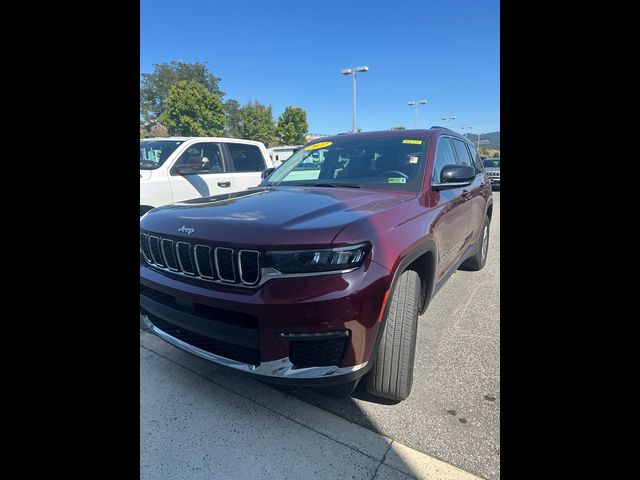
397,180
315,146
413,142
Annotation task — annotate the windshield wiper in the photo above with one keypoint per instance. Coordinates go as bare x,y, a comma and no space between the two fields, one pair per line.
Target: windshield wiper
320,184
336,185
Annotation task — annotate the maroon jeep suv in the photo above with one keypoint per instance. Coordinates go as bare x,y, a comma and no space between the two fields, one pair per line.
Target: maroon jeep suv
317,276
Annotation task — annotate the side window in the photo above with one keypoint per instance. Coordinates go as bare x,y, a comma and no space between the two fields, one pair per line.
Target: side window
246,158
477,161
210,151
444,156
462,152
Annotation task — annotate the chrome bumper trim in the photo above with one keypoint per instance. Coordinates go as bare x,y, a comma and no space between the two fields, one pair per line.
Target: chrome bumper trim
282,368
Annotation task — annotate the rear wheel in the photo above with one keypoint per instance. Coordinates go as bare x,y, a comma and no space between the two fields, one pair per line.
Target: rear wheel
391,376
479,259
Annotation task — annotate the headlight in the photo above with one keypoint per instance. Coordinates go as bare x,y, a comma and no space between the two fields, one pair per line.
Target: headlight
320,260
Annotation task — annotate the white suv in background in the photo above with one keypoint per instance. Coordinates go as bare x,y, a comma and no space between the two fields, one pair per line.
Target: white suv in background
174,169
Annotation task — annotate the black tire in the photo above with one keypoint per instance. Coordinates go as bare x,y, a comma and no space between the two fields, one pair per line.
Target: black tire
479,259
391,376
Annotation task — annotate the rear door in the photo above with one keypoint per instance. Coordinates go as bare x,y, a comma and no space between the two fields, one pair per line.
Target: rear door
246,164
214,180
451,226
478,195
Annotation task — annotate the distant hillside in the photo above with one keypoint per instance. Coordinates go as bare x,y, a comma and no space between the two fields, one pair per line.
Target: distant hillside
493,138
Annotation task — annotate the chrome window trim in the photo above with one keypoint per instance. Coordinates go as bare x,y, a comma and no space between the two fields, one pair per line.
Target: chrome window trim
233,265
183,271
455,156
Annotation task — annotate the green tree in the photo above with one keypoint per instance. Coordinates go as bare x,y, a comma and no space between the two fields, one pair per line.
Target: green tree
256,123
193,111
292,126
399,127
233,118
155,87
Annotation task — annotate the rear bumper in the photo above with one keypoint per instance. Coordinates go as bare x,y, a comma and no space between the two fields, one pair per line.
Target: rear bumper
269,319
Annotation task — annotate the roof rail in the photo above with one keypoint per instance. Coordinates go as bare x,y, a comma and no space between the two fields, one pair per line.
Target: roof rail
443,128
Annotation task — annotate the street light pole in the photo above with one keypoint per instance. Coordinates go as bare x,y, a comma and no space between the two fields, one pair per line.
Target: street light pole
353,72
417,104
446,119
466,127
479,133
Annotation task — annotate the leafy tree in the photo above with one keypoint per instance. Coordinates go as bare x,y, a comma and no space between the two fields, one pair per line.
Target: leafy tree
256,123
153,131
155,87
292,126
191,110
399,127
233,118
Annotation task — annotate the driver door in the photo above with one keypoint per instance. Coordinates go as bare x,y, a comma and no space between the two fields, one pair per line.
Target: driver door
215,179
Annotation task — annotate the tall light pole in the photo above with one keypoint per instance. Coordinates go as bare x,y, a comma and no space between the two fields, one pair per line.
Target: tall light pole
466,127
446,119
479,133
353,72
417,104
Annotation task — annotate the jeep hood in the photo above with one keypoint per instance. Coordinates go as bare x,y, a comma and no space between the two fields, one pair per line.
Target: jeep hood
270,216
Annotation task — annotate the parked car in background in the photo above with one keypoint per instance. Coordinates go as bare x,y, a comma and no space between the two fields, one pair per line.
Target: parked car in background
181,168
280,154
492,167
318,275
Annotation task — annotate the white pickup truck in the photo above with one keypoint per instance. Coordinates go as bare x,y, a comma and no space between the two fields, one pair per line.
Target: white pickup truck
181,168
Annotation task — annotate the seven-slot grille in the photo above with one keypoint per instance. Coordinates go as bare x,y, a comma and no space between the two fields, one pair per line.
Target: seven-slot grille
216,264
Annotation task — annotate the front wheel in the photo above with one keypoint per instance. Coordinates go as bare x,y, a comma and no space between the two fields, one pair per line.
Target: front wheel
391,376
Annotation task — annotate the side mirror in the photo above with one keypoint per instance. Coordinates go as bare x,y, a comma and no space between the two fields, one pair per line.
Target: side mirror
266,172
453,176
193,165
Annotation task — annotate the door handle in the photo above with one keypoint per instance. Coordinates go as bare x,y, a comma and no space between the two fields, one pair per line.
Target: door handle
224,184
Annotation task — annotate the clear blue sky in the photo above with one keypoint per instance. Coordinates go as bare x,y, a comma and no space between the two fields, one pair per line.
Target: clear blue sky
284,52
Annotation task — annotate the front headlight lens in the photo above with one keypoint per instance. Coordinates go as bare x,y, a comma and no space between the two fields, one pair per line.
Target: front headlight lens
320,260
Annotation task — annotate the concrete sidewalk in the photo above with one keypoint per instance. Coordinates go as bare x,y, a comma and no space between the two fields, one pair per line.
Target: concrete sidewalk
202,421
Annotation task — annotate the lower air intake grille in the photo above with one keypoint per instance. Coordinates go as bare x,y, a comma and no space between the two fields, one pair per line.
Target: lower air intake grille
317,353
227,350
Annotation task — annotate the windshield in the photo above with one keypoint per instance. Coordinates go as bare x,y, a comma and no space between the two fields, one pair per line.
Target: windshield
491,162
393,163
154,153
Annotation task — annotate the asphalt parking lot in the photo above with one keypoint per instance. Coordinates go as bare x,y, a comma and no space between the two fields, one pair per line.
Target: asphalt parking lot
199,420
453,412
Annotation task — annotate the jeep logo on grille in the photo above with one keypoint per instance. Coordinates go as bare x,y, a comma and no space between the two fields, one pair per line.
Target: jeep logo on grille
186,230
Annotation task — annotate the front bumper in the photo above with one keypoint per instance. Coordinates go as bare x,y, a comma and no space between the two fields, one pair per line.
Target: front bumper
349,302
275,371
